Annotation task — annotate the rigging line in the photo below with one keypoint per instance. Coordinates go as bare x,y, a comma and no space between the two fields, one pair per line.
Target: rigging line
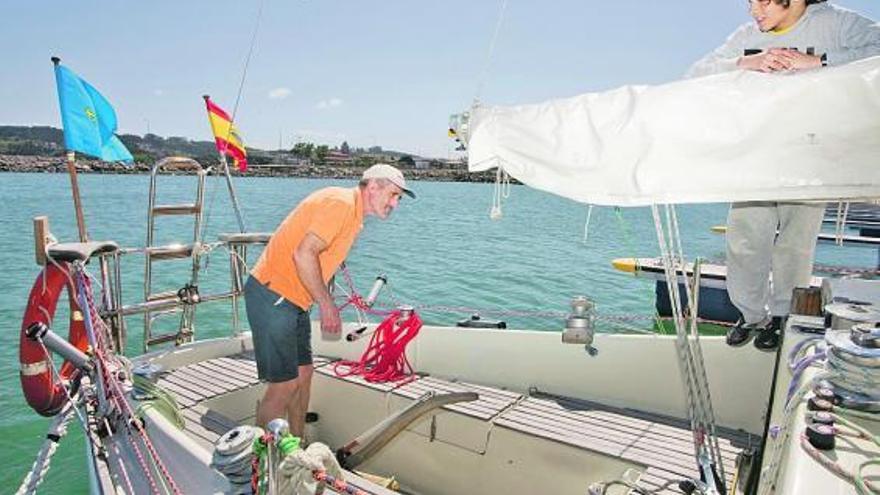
244,72
672,287
211,196
247,61
670,242
628,241
481,82
587,223
700,380
232,196
692,295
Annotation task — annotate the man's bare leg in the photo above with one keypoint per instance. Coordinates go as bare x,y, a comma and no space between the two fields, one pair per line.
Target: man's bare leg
276,401
299,403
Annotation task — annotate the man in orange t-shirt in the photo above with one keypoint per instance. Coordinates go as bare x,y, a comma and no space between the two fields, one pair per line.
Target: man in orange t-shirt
293,272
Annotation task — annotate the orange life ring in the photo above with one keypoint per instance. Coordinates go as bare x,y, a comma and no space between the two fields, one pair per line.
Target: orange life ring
43,390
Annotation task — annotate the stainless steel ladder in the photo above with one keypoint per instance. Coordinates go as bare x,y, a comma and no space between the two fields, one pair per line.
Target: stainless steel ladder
181,300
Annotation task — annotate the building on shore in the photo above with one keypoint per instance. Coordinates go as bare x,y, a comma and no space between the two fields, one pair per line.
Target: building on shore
335,157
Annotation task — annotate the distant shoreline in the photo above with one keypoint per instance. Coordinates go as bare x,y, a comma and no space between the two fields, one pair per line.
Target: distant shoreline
54,164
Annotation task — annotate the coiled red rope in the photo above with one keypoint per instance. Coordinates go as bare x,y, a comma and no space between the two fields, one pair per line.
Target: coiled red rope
384,359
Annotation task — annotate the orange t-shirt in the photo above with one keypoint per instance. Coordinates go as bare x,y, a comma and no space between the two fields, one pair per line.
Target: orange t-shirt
334,214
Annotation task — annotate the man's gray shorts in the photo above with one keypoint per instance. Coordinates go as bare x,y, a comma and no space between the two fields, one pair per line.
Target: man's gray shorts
282,333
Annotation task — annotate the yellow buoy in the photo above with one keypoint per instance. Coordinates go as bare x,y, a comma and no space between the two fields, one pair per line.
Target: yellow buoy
628,265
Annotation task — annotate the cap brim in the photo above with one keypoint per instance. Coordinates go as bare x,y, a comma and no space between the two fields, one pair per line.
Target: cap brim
405,190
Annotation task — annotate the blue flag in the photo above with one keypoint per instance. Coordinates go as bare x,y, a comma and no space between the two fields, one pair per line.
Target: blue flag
88,119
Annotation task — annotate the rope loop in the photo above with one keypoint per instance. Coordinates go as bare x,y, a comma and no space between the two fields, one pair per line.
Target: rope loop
384,359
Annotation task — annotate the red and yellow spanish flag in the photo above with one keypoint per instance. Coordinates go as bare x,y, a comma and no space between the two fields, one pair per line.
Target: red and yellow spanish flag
226,135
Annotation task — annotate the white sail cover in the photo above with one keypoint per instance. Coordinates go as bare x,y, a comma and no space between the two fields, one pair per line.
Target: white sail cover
735,136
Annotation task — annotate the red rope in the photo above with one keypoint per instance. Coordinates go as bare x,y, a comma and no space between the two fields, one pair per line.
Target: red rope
338,485
384,359
115,393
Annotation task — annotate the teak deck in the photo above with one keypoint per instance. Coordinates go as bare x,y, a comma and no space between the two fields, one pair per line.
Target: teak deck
663,445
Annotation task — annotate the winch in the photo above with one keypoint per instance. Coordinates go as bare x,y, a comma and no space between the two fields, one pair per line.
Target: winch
580,324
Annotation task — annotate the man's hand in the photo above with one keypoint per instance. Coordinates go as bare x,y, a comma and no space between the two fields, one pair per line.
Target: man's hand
331,323
779,59
798,60
767,61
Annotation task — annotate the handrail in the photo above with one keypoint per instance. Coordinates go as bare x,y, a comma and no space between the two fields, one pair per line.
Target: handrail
237,247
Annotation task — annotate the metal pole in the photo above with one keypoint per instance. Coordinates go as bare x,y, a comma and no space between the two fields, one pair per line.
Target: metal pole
232,195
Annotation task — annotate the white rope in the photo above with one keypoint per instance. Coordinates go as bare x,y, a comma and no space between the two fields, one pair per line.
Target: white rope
501,192
587,223
57,431
359,314
295,471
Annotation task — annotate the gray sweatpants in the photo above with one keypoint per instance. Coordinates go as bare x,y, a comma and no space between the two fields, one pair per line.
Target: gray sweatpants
754,250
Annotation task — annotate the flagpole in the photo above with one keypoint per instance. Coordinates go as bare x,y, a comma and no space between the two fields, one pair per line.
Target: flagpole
74,185
77,201
232,193
229,185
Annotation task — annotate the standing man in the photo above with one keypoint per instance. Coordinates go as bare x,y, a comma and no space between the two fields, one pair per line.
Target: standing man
787,36
293,272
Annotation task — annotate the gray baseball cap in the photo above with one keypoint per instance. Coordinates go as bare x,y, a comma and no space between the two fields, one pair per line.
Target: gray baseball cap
390,173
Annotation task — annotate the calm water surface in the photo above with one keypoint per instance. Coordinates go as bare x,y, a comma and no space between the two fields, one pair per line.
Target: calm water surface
441,250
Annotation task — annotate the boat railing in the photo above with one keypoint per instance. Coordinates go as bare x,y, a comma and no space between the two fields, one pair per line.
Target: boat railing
236,244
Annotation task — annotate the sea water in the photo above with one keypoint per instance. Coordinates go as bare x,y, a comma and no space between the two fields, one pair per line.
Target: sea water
441,253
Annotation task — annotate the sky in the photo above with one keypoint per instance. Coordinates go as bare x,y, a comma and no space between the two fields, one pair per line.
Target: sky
386,73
